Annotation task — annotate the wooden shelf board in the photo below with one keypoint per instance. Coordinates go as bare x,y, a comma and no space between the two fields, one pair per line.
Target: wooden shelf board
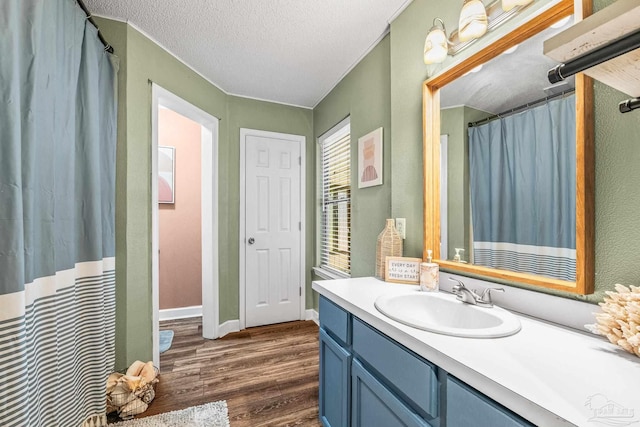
613,22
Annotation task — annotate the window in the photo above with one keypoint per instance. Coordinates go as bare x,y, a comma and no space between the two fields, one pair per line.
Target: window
335,230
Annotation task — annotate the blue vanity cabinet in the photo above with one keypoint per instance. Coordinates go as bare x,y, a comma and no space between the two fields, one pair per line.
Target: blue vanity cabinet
367,379
467,407
335,365
373,404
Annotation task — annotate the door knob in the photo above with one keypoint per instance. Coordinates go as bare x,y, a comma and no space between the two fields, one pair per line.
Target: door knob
251,240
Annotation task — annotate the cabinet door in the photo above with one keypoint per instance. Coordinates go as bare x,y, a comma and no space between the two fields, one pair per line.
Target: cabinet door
467,407
335,370
375,405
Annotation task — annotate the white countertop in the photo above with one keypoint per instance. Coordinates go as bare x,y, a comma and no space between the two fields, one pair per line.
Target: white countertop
550,375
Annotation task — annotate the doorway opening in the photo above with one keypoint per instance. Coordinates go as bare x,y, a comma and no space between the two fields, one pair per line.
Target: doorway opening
184,214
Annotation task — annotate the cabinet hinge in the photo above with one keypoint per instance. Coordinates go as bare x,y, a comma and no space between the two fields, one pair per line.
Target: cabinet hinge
300,291
300,225
300,160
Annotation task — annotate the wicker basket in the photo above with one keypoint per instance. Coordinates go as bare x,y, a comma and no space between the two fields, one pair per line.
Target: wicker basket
130,397
389,244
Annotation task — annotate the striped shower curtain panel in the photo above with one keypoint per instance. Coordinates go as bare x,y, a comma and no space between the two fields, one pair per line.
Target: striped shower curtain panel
57,197
523,191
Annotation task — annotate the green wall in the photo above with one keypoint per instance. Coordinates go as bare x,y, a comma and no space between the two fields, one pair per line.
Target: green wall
364,95
617,139
617,196
143,62
454,123
248,113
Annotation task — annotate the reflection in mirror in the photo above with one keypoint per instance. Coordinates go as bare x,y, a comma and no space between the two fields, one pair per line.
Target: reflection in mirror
508,163
508,197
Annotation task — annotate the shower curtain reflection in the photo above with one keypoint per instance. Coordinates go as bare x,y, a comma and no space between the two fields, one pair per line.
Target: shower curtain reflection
523,187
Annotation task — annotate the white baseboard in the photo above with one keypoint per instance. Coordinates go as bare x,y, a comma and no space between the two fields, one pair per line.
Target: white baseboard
311,314
228,327
180,313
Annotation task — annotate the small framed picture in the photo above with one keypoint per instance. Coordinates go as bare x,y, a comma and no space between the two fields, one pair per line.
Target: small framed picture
402,270
166,174
370,159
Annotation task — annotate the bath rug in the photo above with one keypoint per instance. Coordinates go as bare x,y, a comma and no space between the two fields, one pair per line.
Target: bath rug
212,414
166,337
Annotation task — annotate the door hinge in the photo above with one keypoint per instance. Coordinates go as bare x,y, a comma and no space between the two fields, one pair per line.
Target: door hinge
300,225
300,289
300,160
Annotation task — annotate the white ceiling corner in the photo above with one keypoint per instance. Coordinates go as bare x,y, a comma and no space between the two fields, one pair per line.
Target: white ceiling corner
286,51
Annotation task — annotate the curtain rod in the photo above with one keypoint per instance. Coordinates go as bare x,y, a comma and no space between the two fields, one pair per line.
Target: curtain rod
521,108
629,105
107,46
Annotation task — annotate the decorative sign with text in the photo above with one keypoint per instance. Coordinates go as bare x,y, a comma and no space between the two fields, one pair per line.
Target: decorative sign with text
402,270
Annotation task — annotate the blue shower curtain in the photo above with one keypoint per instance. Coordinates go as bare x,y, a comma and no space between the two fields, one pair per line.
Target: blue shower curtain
523,187
57,196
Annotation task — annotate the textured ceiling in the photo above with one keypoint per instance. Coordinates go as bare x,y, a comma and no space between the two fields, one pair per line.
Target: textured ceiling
508,81
287,51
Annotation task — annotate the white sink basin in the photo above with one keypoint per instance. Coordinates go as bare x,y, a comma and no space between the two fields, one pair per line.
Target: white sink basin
443,314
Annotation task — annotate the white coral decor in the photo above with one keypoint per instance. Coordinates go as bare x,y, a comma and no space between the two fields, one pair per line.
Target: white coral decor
619,320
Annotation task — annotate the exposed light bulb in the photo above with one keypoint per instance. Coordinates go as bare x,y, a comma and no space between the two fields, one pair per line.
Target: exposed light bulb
473,20
435,46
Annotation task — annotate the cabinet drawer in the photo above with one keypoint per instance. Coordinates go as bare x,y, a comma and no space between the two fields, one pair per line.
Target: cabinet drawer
410,376
335,321
374,405
466,407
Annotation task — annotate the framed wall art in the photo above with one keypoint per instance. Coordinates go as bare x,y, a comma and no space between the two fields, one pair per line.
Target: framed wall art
166,174
370,159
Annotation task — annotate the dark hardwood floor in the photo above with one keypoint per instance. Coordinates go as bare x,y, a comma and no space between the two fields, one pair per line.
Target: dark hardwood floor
268,375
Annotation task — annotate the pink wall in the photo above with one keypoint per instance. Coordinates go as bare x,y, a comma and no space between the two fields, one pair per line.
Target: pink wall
180,223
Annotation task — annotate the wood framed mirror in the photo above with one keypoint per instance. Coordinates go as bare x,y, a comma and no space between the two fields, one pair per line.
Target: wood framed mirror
582,281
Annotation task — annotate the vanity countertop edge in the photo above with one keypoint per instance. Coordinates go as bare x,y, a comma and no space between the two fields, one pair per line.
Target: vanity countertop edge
550,375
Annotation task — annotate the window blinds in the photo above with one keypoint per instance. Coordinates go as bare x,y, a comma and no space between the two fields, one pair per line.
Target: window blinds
336,204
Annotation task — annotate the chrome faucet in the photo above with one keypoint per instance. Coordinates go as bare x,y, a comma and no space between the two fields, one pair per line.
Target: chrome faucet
468,296
463,293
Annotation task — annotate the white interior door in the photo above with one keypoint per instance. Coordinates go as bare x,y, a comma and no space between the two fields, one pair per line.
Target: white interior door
272,227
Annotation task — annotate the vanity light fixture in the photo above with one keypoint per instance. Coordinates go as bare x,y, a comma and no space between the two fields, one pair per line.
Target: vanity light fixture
436,45
507,5
473,20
